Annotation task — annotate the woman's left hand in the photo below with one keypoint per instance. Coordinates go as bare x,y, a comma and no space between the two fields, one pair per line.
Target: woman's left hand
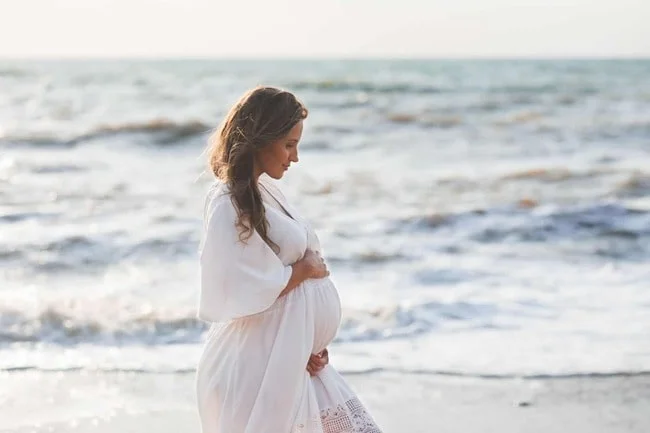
317,362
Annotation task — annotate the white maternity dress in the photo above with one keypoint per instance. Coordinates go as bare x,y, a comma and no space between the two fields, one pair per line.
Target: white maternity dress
252,376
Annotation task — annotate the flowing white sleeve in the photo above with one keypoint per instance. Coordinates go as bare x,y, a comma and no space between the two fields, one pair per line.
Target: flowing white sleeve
237,278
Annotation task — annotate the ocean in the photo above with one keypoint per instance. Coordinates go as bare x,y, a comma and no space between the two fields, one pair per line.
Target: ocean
480,218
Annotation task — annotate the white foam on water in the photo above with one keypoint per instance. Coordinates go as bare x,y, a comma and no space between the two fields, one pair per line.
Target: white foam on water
471,229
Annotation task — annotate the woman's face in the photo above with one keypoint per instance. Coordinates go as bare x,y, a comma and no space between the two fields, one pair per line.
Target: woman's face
276,158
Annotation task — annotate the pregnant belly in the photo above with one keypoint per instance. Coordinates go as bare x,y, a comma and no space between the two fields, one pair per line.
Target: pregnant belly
326,307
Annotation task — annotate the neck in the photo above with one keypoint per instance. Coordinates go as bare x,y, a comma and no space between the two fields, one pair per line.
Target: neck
257,172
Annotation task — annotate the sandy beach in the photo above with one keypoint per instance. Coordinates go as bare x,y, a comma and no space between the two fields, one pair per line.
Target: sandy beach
36,401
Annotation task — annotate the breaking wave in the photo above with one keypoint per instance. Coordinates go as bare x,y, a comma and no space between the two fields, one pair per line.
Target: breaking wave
157,131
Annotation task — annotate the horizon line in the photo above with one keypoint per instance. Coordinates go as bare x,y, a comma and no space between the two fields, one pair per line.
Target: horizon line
342,57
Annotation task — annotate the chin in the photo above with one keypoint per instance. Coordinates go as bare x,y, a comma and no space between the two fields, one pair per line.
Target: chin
276,176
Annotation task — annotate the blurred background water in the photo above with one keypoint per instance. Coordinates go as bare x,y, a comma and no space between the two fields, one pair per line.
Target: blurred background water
481,218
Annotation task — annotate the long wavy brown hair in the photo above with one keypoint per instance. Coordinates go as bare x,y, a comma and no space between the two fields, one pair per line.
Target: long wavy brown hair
262,116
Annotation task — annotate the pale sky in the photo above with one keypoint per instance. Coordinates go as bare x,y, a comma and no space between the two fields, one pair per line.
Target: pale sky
327,28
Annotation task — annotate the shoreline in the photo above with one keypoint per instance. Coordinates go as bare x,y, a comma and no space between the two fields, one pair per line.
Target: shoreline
63,401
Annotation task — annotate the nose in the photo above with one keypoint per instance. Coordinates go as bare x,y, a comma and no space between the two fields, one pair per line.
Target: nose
294,157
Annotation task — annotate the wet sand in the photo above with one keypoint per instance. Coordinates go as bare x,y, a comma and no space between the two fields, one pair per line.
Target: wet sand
77,401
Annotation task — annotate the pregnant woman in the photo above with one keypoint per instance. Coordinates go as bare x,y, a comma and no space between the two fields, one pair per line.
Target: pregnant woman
265,288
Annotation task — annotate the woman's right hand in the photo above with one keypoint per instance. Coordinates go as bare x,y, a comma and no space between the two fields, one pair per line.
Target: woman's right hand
311,265
315,265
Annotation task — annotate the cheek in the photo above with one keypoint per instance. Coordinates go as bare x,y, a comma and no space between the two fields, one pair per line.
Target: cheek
273,156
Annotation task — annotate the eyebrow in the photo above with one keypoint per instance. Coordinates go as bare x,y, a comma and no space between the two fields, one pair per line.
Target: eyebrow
293,140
